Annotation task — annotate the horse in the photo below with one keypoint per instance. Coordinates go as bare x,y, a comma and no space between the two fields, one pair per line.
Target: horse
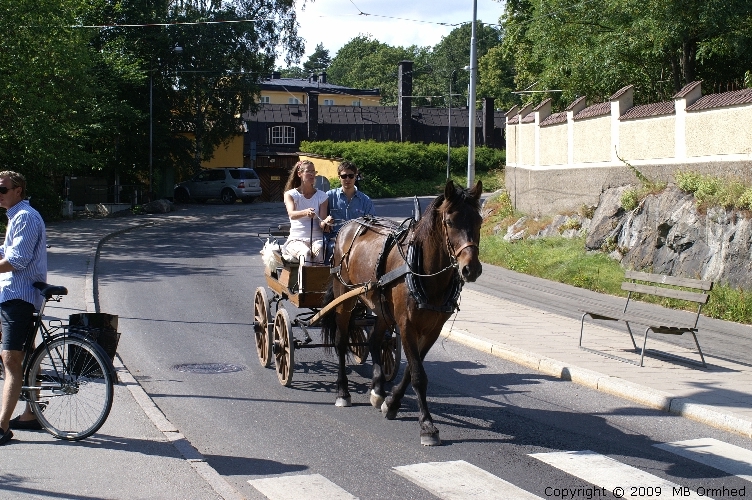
413,276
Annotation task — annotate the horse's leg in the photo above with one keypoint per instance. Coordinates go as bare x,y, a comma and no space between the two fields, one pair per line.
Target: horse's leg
392,403
429,434
341,339
378,394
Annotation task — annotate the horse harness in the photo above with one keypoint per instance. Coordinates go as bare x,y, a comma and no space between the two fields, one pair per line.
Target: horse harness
395,235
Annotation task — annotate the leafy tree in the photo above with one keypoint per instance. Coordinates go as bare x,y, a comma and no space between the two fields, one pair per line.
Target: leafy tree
365,63
292,72
318,61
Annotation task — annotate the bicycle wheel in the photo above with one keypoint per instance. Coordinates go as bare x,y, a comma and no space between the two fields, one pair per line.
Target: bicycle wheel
70,386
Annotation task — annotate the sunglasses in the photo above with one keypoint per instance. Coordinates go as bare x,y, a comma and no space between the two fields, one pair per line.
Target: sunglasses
347,176
5,189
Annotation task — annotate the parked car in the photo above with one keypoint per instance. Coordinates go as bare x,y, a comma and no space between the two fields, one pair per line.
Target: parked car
226,184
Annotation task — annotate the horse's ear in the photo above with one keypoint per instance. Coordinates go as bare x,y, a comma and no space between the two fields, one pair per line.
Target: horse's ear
449,190
477,190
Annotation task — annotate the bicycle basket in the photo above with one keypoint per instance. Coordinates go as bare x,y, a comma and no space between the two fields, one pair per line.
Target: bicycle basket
99,327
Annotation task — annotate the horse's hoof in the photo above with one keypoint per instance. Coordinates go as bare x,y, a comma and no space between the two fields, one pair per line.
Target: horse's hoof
376,400
430,439
343,402
388,414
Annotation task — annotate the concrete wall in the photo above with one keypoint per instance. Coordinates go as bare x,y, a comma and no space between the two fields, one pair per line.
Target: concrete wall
558,168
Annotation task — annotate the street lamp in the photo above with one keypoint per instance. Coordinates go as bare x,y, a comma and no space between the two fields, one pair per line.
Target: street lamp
176,49
449,127
471,103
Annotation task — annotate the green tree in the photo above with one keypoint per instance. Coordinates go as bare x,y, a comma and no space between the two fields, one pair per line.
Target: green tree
318,61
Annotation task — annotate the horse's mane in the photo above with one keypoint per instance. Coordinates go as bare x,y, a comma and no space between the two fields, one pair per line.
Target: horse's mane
430,223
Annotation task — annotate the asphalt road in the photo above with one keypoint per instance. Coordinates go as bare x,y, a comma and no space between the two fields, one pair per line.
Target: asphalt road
184,295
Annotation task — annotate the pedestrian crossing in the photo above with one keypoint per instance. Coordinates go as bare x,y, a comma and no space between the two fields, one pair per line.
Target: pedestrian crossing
600,477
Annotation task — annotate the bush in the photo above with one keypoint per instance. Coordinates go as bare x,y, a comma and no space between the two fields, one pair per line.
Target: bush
406,169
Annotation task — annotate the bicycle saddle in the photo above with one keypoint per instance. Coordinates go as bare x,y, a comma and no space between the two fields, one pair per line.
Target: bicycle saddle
49,290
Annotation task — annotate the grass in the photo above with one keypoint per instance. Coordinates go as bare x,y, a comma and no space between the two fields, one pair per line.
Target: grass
566,261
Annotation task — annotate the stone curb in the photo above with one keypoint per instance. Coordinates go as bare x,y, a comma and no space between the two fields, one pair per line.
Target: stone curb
171,433
615,386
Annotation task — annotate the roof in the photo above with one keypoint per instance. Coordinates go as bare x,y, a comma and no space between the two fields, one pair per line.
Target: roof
647,110
304,85
600,109
733,98
554,119
358,115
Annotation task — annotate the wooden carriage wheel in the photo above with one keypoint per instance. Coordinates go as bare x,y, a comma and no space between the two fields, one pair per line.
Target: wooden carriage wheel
261,327
359,335
284,349
391,355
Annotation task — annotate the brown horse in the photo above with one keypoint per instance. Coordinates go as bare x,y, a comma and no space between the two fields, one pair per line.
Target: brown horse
415,274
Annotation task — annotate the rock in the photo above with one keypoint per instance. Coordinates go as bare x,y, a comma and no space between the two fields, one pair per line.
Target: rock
607,218
157,207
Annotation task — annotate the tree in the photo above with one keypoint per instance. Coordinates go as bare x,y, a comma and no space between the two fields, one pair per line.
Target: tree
318,61
593,49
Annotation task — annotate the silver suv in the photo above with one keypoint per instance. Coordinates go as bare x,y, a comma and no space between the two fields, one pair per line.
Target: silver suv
226,184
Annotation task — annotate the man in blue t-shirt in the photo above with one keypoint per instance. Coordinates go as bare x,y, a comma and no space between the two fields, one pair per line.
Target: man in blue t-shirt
346,202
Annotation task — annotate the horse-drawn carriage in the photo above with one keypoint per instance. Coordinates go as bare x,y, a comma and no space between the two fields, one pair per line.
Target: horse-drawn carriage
304,285
389,286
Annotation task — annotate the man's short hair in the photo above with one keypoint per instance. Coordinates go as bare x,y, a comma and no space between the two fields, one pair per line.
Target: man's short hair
347,165
17,179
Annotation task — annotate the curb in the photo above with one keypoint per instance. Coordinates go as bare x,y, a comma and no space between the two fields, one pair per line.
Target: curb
615,386
173,435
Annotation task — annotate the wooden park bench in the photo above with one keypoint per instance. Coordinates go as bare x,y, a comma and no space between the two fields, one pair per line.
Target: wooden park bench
693,290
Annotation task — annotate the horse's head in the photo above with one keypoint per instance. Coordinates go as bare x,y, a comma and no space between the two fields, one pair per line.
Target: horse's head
460,212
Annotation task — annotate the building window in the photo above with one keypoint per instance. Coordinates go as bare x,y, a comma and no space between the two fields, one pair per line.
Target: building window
293,100
328,102
265,99
282,134
356,103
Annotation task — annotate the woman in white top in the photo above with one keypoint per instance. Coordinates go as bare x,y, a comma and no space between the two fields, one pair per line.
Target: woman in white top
307,209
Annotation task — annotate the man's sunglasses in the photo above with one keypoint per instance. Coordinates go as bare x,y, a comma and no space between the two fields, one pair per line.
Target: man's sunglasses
5,189
347,176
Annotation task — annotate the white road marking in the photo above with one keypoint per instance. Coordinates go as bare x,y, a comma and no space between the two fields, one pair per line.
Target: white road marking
714,453
300,487
611,474
460,480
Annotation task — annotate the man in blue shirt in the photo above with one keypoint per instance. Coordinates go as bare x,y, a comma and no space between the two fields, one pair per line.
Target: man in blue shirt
23,262
346,202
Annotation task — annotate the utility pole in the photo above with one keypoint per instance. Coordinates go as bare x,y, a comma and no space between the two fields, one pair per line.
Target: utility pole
471,103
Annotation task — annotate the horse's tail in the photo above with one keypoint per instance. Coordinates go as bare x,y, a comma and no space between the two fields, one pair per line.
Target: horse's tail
329,320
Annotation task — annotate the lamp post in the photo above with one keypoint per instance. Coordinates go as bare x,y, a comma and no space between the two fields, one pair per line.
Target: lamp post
449,127
471,103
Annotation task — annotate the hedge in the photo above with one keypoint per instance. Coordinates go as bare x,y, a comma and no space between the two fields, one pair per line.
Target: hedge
403,169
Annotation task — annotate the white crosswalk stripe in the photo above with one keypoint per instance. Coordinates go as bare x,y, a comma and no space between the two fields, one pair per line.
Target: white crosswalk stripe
717,454
460,480
300,487
613,475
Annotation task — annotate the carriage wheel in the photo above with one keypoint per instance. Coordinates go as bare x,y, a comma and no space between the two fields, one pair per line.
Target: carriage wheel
284,349
391,354
358,335
261,327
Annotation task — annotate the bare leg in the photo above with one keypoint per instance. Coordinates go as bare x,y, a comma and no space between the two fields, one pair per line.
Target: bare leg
12,361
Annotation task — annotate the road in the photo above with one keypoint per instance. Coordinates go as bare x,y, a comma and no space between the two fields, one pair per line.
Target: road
184,294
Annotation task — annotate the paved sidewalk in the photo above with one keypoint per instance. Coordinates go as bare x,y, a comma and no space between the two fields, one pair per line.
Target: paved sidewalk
719,395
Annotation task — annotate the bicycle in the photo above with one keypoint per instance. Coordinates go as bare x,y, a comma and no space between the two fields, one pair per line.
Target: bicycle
68,379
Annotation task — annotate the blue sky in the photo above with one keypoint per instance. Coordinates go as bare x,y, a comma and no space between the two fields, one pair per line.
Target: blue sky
335,22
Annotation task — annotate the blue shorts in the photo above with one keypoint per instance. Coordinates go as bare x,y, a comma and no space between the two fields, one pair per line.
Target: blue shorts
16,319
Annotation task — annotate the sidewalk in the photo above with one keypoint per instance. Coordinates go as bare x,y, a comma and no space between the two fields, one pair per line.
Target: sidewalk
719,395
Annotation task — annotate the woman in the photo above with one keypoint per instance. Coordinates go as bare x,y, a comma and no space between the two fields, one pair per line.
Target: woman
307,209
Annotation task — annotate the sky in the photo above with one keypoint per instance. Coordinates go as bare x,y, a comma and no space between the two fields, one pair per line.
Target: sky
394,22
